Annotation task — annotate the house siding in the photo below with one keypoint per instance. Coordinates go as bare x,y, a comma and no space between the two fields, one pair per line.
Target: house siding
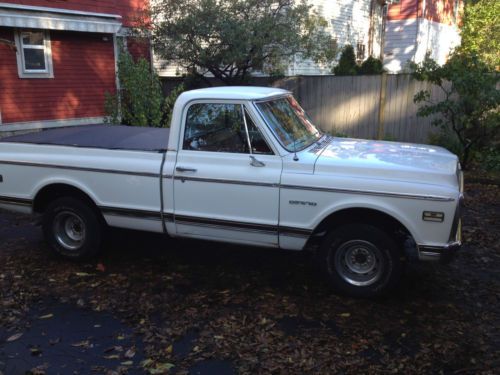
415,28
349,23
400,43
84,70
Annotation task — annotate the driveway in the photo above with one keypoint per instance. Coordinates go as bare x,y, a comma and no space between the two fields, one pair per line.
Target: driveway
151,304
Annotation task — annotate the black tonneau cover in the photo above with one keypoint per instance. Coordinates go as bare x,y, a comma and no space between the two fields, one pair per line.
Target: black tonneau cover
111,137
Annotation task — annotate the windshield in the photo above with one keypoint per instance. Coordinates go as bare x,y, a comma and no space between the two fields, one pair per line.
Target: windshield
289,123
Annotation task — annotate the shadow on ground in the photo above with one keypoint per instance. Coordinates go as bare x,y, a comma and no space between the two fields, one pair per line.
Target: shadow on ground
150,304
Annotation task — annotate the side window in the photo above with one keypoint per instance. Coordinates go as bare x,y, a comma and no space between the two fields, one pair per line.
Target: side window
34,56
222,128
215,127
259,144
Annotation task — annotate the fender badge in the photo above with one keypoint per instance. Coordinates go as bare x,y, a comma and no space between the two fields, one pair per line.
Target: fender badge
303,203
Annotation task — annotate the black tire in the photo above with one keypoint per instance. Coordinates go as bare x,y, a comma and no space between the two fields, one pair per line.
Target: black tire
72,229
361,260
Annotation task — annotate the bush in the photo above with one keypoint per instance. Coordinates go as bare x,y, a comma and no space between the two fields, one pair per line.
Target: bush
446,139
488,159
140,99
347,63
170,102
471,105
371,66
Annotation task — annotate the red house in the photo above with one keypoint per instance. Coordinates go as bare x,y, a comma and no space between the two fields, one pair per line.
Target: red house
415,28
58,59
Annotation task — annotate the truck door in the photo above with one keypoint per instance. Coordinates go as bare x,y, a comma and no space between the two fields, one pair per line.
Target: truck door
226,178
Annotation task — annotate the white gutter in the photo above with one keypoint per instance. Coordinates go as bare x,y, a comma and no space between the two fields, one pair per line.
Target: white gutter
29,17
58,10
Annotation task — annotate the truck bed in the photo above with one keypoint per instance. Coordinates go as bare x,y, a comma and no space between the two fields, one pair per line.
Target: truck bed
111,137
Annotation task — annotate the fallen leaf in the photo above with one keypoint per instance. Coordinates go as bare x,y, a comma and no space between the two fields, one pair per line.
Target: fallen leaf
83,274
127,363
169,349
85,343
161,368
35,352
48,316
100,267
55,341
345,315
130,353
112,356
15,337
147,362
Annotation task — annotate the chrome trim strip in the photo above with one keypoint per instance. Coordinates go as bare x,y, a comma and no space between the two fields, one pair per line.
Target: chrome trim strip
138,214
225,223
16,201
254,227
300,232
97,170
310,188
369,192
225,227
223,181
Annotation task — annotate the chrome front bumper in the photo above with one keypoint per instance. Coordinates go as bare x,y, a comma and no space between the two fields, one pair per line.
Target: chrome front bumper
442,254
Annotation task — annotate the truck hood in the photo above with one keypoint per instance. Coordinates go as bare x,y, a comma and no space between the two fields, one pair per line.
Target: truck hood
388,160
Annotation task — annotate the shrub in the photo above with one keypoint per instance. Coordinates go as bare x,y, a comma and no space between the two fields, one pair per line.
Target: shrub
371,66
347,63
471,105
170,101
139,101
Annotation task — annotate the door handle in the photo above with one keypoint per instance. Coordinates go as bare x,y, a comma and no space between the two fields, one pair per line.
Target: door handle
182,169
255,162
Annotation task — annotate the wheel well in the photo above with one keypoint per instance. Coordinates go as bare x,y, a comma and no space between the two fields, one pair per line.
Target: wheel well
359,215
52,192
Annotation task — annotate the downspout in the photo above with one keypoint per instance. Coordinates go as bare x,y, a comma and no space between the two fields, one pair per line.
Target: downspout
419,20
117,77
371,28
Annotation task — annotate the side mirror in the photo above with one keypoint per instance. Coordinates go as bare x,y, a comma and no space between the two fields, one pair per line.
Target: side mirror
256,163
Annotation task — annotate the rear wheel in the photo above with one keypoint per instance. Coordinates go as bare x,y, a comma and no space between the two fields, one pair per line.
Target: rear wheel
361,260
72,228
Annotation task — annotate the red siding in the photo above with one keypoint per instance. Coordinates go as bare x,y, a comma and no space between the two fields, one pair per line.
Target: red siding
84,70
442,11
405,9
128,9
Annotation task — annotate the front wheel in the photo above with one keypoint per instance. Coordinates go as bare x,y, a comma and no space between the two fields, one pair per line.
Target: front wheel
72,229
361,260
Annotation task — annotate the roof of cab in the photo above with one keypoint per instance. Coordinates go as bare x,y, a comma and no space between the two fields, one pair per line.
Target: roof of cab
233,92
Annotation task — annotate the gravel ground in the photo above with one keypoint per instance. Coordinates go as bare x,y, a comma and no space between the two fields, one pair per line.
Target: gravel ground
155,305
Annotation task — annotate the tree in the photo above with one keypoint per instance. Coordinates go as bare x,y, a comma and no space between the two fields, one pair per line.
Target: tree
232,38
347,63
471,107
481,30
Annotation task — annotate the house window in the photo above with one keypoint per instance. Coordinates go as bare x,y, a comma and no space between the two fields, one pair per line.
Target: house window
34,55
360,51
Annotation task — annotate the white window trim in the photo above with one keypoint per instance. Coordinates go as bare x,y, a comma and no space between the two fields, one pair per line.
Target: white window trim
48,72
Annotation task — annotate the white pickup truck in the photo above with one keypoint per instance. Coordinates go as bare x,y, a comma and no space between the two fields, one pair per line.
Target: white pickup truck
243,165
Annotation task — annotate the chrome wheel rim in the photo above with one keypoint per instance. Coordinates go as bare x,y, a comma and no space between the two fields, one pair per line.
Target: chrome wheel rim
359,263
69,230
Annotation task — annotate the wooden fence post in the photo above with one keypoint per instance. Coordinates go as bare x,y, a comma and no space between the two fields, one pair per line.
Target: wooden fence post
381,105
